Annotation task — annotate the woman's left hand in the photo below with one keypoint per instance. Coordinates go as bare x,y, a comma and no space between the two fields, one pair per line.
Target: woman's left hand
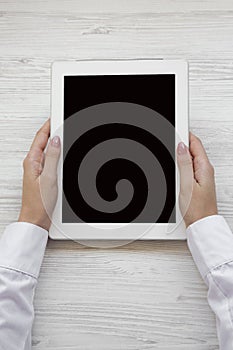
40,179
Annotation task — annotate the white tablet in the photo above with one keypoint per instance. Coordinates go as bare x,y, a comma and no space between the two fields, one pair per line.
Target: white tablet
119,124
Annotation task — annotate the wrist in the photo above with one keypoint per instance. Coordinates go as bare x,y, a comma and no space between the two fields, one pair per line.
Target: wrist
26,215
191,220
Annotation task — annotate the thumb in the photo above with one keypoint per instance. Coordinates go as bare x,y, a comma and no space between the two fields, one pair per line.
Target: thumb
185,165
52,157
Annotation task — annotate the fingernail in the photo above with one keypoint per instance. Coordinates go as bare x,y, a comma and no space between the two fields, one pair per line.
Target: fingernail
181,148
55,141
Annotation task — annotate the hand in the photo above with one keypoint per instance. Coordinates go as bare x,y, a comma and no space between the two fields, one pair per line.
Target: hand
197,186
40,179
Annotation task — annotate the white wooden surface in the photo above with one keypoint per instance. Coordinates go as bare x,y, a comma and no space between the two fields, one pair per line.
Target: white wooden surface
144,295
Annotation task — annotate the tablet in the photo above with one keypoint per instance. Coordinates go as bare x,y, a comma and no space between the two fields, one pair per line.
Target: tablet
119,122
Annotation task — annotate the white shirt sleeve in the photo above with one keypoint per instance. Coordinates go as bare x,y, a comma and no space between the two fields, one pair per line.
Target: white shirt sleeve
210,241
22,248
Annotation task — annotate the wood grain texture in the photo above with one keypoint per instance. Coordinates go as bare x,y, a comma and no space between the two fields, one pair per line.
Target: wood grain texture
146,295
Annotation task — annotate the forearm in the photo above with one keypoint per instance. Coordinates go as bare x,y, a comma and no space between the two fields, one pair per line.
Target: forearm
211,243
22,249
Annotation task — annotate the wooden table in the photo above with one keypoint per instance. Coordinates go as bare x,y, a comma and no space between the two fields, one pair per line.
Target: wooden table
146,295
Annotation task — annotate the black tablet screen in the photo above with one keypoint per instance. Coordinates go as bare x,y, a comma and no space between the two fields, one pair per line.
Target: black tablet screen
119,149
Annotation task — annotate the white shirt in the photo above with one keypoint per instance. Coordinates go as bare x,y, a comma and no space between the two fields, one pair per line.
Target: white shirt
22,249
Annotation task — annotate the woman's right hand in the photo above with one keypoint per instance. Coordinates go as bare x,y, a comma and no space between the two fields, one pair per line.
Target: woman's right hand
197,185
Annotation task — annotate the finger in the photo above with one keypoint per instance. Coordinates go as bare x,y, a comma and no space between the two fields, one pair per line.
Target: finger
201,163
40,141
185,165
51,158
196,147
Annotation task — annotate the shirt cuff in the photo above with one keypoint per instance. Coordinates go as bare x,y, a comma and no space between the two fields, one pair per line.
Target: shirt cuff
22,248
210,241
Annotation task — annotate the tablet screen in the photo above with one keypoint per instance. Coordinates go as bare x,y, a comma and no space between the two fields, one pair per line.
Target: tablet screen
119,149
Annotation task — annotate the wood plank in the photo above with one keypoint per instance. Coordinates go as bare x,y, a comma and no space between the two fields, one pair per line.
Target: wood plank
120,6
122,299
178,35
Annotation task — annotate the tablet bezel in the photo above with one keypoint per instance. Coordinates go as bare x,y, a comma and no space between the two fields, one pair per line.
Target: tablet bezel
81,231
